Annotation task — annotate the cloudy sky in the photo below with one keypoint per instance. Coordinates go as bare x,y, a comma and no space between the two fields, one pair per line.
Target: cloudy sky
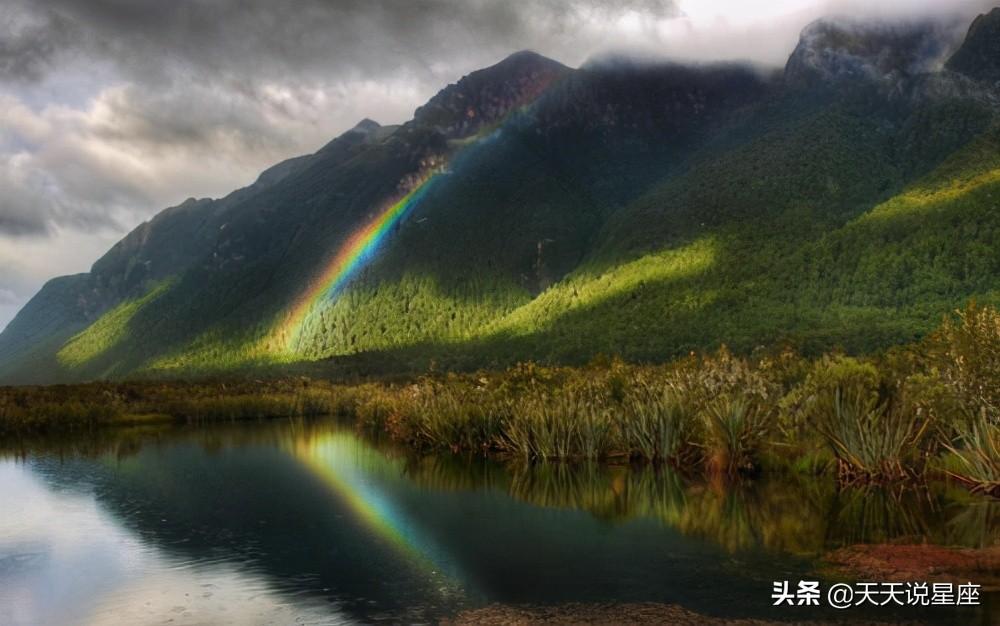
113,109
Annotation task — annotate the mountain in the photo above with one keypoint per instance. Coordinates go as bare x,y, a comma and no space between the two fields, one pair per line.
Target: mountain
831,50
533,211
979,56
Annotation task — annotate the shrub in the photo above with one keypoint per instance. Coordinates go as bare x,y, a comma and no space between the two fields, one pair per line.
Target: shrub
966,352
872,428
799,408
375,409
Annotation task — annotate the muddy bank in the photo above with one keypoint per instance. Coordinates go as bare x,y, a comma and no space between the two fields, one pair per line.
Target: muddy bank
924,563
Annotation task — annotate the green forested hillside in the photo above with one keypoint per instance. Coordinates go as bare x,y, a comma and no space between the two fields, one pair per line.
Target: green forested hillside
638,209
876,279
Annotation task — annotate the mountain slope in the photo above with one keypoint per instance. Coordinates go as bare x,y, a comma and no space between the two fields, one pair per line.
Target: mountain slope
979,55
165,246
534,211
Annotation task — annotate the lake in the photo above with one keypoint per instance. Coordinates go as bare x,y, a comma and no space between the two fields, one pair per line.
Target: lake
307,522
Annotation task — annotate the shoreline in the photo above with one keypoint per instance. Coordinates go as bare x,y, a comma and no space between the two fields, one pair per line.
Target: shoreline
614,415
895,418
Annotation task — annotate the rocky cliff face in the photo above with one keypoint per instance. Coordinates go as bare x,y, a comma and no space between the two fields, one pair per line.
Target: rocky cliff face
831,51
485,97
979,55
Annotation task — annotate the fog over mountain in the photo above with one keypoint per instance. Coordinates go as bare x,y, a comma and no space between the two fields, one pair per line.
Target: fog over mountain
112,110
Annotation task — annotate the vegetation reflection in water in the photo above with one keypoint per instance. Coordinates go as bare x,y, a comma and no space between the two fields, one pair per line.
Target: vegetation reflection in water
375,523
793,514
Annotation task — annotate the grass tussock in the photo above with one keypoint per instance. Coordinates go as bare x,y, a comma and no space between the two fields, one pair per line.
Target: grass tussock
74,408
869,426
561,424
897,416
872,437
736,425
976,448
662,425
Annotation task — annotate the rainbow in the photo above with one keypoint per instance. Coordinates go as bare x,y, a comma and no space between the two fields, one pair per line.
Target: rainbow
355,251
340,461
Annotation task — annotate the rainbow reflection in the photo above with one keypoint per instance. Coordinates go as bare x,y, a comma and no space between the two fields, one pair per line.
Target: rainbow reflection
351,471
355,251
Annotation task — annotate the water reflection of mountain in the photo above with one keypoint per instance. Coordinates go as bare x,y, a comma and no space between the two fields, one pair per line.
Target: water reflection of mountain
322,514
260,509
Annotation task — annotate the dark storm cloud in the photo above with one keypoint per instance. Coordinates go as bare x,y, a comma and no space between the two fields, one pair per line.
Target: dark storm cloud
19,210
192,116
32,202
17,218
149,38
29,40
194,98
111,110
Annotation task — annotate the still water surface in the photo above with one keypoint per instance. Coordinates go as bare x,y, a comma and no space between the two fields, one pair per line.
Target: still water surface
304,522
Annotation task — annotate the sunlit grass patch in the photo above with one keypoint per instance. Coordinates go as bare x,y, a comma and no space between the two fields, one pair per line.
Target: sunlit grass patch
108,330
587,289
973,169
213,351
412,309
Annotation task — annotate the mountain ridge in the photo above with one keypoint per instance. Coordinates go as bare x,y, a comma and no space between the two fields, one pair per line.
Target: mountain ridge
979,55
614,208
